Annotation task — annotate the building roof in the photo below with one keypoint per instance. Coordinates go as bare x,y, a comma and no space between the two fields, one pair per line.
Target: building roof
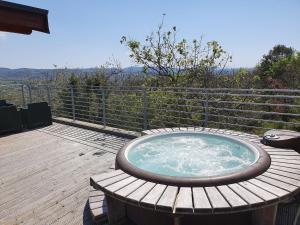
22,19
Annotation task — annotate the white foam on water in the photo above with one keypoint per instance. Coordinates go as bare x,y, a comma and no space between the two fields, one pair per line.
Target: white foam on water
191,155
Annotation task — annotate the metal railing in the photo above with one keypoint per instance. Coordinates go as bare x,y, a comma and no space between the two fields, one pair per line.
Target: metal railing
139,108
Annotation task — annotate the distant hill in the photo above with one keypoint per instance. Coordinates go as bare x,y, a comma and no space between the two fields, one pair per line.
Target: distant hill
25,73
21,73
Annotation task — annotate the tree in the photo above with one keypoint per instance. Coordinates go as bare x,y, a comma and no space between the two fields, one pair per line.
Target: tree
273,65
162,54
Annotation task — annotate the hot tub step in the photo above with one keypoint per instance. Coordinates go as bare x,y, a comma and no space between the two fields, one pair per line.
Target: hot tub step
98,207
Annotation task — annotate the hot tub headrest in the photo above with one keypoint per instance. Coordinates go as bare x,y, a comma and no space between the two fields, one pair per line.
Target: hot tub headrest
282,139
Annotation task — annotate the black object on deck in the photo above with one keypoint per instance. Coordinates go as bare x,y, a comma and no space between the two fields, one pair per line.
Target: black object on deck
10,119
37,115
4,103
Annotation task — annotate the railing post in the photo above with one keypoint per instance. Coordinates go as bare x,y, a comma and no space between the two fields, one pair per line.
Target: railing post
29,92
206,108
103,107
49,96
145,101
73,104
23,96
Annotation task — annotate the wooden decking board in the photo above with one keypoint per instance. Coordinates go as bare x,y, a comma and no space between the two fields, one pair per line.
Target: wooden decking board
246,195
268,187
104,176
98,198
120,184
284,153
287,161
167,199
126,190
55,186
113,180
288,184
256,190
294,166
288,172
201,201
288,157
184,201
111,149
216,200
98,204
288,177
141,192
153,196
232,198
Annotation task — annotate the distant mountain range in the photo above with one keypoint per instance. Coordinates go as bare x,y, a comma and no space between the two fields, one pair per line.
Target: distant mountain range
25,73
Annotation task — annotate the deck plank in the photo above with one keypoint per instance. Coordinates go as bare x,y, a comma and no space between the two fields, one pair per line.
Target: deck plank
141,192
153,196
113,180
120,184
233,199
265,195
245,194
123,192
216,199
166,201
269,187
286,169
184,201
201,201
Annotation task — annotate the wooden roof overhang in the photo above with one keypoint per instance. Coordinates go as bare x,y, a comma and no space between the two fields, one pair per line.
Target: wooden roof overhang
22,19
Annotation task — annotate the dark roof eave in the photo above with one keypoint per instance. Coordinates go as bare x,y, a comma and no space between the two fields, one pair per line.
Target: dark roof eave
22,19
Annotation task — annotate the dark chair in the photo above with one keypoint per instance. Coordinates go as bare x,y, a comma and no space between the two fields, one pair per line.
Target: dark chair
10,119
4,103
37,115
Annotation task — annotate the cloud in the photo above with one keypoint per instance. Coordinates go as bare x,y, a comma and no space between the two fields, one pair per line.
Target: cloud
3,35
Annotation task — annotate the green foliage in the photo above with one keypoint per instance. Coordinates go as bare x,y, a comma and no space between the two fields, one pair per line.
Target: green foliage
162,53
279,68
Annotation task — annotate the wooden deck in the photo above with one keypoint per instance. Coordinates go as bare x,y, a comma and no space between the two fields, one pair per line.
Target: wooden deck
44,173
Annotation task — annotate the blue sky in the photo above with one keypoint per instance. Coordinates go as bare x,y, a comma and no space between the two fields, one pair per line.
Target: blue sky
87,33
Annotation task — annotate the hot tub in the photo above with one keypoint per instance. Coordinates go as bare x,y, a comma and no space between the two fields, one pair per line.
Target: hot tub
210,175
192,159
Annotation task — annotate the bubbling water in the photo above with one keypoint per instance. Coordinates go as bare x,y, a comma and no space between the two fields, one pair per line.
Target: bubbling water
190,155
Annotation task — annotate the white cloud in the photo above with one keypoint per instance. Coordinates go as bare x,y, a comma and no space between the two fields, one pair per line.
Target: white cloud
3,35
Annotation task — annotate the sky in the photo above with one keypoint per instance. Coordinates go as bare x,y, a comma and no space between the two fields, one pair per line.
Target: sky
87,33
